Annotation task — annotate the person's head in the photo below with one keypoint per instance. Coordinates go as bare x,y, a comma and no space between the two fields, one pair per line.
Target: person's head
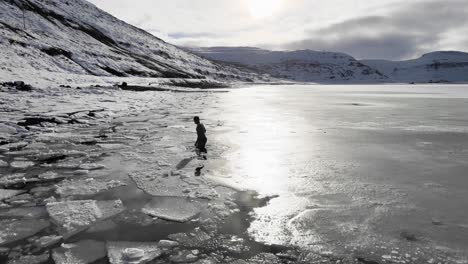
196,120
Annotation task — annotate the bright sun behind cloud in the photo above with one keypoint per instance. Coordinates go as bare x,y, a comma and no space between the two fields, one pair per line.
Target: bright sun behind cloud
263,8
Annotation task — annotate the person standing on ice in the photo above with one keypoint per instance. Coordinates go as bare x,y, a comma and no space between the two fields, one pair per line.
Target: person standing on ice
201,137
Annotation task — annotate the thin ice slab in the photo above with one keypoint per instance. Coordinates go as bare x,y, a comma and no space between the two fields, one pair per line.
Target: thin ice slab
5,194
31,259
24,212
85,187
76,216
173,209
15,230
132,252
159,186
83,252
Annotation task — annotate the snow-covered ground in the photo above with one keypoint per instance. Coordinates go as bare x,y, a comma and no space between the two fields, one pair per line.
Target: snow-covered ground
74,37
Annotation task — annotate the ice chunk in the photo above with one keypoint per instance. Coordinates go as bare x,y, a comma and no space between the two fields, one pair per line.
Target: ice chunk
41,191
49,175
132,252
158,186
22,164
15,146
25,212
173,208
183,256
3,164
111,146
233,244
47,241
14,230
16,178
5,194
21,199
81,172
76,216
168,244
91,166
193,239
7,129
31,259
172,184
88,186
83,252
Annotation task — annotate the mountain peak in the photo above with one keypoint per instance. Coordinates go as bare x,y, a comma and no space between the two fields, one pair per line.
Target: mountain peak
299,65
76,37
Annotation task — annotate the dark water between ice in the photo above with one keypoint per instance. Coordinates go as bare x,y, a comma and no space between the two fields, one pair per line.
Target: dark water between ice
377,171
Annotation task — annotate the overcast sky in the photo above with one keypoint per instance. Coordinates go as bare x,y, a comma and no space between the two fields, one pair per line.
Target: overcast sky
388,29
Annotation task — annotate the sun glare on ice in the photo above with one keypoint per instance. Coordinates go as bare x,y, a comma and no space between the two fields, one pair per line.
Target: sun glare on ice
263,8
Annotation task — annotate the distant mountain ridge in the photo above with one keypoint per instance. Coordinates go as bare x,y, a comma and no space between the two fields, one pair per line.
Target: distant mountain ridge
434,67
300,65
76,37
325,67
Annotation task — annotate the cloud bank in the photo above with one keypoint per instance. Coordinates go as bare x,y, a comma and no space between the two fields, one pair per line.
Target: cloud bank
406,31
372,29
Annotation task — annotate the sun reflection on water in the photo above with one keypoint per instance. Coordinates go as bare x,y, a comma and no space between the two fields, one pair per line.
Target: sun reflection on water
263,138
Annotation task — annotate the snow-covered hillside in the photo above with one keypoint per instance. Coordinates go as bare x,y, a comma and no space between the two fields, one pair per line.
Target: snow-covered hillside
301,65
75,37
441,66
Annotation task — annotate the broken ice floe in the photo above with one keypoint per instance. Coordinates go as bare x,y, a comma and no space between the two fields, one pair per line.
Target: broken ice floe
13,230
85,187
31,259
91,166
158,186
7,129
132,252
49,175
173,184
15,146
183,256
32,212
17,178
21,199
3,164
46,241
83,252
76,216
168,244
5,194
22,164
193,239
173,209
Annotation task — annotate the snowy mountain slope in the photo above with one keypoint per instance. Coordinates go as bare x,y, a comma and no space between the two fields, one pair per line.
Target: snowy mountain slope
441,66
75,37
301,65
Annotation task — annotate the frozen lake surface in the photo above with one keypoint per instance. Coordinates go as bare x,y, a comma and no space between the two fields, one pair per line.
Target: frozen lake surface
375,171
295,174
